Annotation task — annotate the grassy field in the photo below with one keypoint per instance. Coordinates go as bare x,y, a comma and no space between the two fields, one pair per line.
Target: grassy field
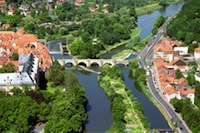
147,9
123,54
152,7
52,89
135,33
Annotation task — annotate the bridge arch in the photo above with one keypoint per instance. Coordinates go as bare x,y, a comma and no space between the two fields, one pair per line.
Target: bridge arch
121,64
69,64
110,64
95,64
82,64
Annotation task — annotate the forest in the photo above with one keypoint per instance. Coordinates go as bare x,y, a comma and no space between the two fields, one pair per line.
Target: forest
186,26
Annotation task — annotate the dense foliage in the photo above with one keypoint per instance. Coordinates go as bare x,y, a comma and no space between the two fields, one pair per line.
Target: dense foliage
68,112
61,107
186,26
8,68
189,113
138,73
14,56
24,109
56,74
157,23
17,111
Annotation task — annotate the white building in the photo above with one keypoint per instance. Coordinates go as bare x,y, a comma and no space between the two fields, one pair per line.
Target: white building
197,53
28,70
181,50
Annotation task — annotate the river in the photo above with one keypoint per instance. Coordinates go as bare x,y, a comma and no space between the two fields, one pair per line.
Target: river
100,117
145,23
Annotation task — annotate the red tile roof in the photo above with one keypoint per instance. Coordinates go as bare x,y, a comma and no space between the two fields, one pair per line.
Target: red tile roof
186,91
197,50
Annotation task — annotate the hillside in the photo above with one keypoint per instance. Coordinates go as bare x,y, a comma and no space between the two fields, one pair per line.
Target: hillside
186,26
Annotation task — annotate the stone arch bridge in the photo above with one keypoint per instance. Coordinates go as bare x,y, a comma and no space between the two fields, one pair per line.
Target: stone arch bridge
90,62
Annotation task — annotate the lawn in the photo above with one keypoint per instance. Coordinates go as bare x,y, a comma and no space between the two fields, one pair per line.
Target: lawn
152,7
147,9
52,89
123,54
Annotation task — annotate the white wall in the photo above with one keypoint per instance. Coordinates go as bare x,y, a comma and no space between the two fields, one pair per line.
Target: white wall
196,55
182,50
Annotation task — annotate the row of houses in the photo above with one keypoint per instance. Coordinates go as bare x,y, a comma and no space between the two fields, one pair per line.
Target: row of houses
33,55
168,57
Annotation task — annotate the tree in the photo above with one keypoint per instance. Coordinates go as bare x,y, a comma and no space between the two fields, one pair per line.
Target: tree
163,3
192,63
69,38
16,91
133,63
67,115
56,74
178,74
191,79
30,27
86,37
14,20
20,112
14,56
8,68
139,72
178,104
62,31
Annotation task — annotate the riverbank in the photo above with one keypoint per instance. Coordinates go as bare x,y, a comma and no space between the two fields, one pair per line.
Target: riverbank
149,95
152,7
127,113
139,74
134,37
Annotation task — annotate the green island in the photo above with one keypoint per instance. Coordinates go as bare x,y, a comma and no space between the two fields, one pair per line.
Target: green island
126,111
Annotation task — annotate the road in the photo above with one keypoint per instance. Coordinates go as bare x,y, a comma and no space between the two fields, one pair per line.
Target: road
147,51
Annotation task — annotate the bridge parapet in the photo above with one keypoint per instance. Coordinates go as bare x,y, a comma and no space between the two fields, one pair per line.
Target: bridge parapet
89,62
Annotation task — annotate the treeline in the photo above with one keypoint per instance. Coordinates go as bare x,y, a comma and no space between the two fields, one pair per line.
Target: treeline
186,26
138,73
62,109
137,3
157,23
68,112
125,109
189,112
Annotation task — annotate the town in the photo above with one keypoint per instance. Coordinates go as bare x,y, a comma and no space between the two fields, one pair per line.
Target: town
169,58
166,69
